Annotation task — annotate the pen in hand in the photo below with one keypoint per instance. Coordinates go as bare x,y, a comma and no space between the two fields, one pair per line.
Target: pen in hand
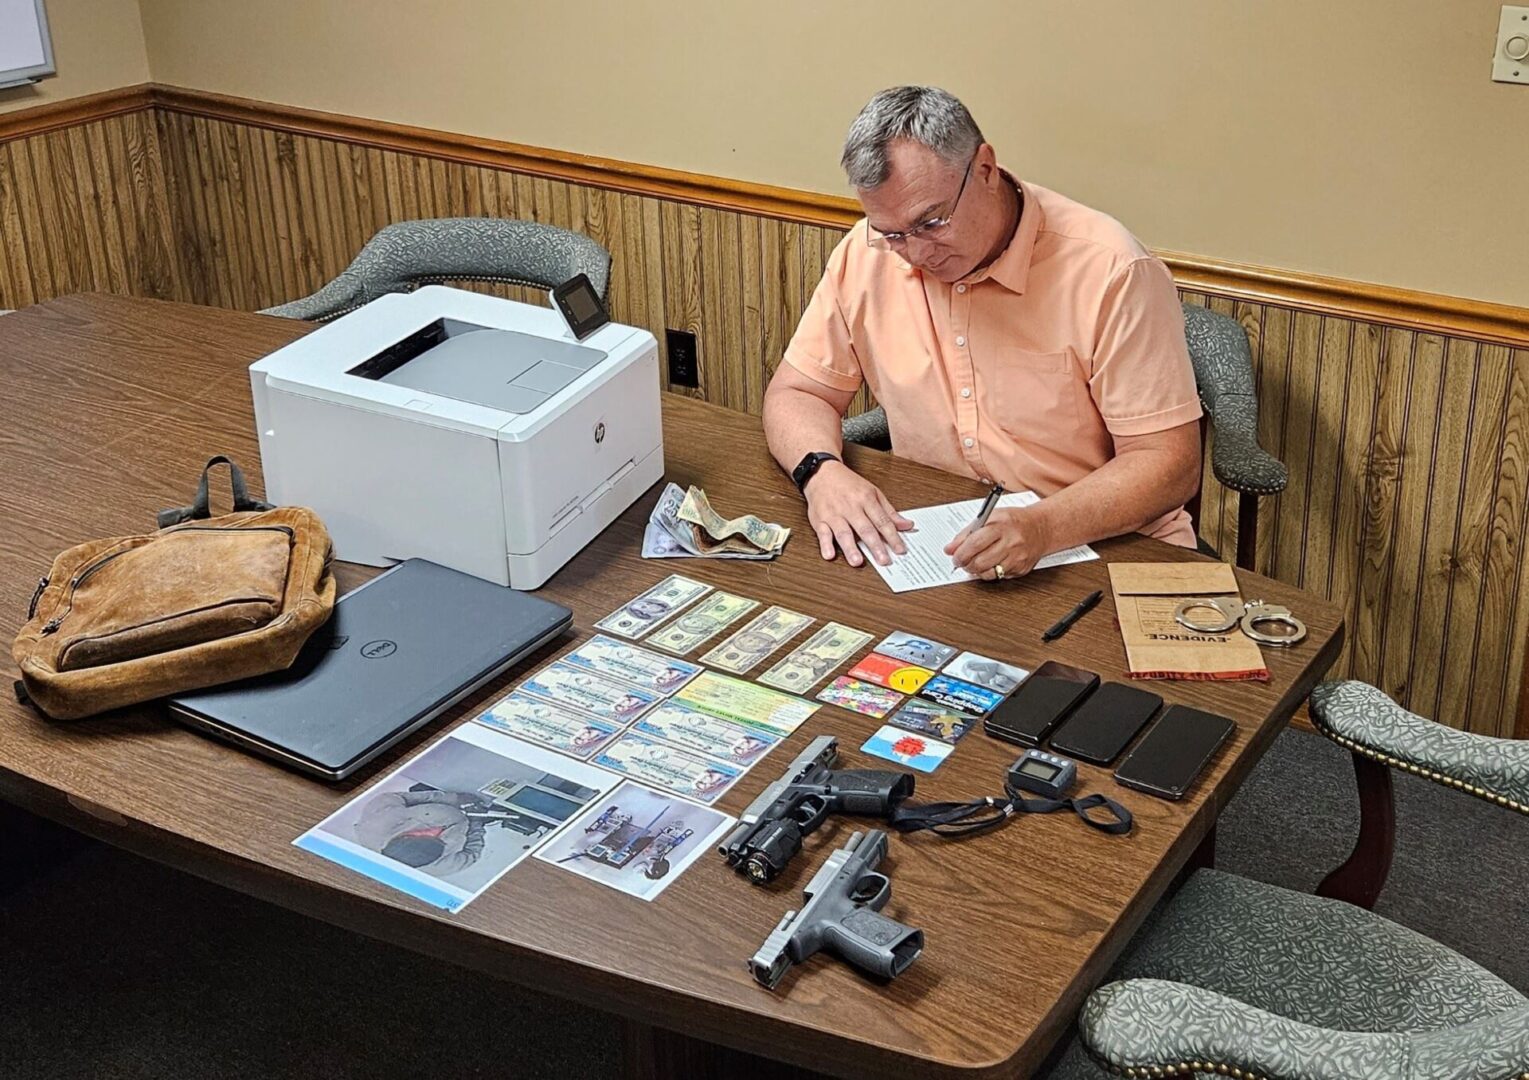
987,508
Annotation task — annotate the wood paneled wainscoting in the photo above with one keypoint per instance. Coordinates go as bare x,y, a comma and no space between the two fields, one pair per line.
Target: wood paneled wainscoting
1403,417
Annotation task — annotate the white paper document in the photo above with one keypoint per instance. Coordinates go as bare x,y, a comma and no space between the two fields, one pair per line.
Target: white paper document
926,565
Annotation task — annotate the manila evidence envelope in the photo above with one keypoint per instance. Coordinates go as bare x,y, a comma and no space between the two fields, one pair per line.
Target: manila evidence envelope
1157,647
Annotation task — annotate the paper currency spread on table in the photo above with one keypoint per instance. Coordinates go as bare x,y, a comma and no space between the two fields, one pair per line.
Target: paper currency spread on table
684,525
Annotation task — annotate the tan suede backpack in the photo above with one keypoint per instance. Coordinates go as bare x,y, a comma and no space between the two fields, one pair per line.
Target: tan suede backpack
204,600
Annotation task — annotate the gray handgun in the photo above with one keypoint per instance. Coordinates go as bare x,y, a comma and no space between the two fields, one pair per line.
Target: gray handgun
842,913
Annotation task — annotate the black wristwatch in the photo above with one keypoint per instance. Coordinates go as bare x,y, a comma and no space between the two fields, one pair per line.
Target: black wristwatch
808,469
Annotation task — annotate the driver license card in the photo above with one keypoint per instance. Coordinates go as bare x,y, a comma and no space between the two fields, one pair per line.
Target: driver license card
746,703
551,725
668,767
691,729
632,663
602,698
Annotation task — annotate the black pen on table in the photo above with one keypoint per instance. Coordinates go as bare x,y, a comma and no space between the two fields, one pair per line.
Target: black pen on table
1064,624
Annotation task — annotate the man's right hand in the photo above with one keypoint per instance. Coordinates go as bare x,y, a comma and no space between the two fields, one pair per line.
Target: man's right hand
844,508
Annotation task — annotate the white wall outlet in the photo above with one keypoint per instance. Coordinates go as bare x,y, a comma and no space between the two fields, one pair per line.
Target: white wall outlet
1510,63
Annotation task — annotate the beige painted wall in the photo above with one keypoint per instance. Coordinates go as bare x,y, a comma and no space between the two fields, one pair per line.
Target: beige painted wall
1362,139
97,45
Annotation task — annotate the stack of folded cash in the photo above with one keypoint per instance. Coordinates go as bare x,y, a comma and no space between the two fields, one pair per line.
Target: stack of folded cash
684,525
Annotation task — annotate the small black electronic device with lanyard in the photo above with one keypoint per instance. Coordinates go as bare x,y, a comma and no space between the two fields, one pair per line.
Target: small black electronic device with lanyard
1036,771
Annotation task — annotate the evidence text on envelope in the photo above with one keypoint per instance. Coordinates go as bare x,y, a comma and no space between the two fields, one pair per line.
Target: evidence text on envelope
1157,645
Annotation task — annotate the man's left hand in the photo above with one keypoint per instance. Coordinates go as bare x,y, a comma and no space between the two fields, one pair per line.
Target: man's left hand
1014,539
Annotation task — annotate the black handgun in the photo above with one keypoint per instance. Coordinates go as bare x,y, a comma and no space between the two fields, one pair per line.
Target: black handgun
770,830
842,913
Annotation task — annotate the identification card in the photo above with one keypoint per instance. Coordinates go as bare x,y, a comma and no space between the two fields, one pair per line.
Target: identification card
892,673
668,767
985,671
691,729
907,748
551,725
927,718
692,628
638,616
768,632
864,698
810,663
965,696
632,663
901,645
746,703
605,699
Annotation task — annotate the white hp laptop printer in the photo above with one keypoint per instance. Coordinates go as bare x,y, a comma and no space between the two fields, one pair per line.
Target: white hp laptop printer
456,427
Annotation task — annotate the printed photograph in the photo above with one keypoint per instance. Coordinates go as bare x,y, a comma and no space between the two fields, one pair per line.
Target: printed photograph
446,824
636,840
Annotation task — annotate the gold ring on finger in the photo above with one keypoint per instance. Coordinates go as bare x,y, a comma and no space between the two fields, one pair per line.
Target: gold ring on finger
998,572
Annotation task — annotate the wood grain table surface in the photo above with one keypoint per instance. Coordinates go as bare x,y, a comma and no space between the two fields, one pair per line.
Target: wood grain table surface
112,405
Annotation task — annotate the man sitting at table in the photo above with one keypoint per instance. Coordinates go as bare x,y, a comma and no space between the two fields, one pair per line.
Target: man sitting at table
1011,334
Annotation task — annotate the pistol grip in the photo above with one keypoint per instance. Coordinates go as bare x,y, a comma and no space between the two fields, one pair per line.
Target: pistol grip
876,944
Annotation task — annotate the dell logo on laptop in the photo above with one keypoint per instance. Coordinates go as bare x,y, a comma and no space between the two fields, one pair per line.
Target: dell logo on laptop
600,433
376,650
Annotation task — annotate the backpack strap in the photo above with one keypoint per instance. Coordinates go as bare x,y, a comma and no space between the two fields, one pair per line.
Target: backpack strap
202,507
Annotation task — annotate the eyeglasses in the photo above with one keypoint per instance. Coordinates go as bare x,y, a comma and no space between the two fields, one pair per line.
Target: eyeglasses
884,241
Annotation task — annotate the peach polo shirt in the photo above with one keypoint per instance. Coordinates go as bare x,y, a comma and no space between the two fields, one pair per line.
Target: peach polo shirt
1022,372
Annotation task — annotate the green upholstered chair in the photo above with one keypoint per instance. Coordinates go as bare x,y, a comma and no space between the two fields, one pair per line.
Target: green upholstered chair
1383,736
1223,363
407,254
1230,977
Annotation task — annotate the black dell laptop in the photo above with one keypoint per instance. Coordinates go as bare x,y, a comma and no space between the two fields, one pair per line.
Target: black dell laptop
397,652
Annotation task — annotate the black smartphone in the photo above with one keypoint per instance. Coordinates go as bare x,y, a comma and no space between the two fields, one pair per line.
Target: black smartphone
1101,727
1041,703
1170,756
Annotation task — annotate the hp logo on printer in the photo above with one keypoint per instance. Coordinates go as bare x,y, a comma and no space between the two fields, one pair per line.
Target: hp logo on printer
600,433
376,650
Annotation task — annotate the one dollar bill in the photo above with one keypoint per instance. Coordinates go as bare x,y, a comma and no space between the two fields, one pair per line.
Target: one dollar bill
701,623
638,616
810,662
768,632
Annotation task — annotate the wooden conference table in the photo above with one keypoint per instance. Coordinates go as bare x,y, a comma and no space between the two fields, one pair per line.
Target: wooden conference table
111,407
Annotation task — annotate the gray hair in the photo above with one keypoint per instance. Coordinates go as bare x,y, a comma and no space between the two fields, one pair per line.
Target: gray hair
925,114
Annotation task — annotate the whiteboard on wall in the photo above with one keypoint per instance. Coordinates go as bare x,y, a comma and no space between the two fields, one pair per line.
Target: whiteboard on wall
26,52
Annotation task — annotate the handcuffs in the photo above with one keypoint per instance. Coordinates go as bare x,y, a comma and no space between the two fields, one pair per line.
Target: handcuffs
1250,616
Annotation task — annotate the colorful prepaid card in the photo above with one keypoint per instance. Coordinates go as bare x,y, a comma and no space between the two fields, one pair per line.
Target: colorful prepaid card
637,617
691,729
914,649
985,671
928,718
605,699
890,672
633,664
447,823
767,632
864,698
692,628
907,748
809,663
551,725
668,767
746,703
636,840
958,694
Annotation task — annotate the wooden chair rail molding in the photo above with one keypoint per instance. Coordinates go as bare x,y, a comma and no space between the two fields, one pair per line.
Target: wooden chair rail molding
1428,312
1403,416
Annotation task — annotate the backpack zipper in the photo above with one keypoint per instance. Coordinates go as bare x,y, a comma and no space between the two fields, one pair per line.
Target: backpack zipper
42,583
52,625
